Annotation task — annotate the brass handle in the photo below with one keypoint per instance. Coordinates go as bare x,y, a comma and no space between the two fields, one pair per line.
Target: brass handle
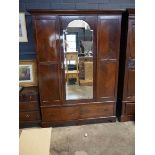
27,115
30,97
62,65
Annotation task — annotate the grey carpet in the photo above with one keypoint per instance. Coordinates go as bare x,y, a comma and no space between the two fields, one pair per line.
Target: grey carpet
103,139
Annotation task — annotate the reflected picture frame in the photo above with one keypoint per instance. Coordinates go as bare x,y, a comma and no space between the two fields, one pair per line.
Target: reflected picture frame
27,73
22,28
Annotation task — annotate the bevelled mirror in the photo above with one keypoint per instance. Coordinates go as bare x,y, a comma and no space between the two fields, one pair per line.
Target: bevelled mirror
78,60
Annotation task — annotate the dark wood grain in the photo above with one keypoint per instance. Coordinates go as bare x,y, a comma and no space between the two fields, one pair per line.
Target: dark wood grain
47,36
29,124
130,88
48,58
106,80
80,122
38,12
49,84
126,91
106,26
28,94
108,56
130,108
77,112
129,82
29,116
60,114
108,37
96,110
29,107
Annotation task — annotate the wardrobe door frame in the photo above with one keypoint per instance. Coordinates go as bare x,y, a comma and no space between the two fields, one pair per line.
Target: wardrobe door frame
92,22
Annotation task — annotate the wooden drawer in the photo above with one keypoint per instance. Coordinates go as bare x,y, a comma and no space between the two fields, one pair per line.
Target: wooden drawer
82,111
28,94
96,110
28,97
130,108
28,106
60,113
29,116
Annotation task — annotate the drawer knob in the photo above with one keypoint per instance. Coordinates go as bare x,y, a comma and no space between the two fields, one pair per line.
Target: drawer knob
27,115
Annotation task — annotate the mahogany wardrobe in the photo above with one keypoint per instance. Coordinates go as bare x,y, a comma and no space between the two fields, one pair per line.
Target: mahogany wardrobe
87,91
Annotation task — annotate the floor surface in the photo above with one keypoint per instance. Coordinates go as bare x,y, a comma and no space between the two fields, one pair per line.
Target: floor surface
95,139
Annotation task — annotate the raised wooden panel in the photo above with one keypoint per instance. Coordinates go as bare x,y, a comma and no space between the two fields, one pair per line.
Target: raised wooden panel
106,79
130,83
108,37
130,109
96,110
49,83
131,44
55,114
109,27
76,112
26,106
47,37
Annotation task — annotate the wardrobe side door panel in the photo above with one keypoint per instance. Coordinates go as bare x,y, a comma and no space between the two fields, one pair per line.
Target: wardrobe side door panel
129,82
49,83
107,56
47,38
48,58
106,79
108,37
131,38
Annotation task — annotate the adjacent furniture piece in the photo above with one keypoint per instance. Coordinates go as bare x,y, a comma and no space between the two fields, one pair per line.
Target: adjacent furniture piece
55,109
29,113
126,89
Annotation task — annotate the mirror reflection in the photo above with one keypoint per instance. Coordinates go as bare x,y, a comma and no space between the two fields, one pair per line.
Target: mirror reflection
78,60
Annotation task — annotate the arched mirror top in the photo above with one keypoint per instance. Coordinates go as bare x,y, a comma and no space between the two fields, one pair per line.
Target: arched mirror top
79,24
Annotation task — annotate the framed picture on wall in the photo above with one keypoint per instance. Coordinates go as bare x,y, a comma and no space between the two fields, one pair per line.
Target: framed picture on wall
27,73
22,28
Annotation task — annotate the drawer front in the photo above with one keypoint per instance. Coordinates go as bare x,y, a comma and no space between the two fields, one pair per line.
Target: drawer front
130,108
29,116
27,106
28,97
60,114
96,110
82,111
